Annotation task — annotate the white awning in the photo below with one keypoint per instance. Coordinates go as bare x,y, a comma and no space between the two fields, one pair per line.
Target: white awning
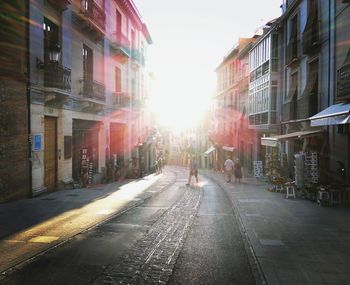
269,141
273,141
209,150
337,114
228,148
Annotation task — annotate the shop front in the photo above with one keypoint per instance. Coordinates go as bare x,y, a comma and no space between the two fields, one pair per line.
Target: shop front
307,152
336,119
85,150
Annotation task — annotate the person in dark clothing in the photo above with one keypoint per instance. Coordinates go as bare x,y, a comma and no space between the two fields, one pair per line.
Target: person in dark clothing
193,171
238,171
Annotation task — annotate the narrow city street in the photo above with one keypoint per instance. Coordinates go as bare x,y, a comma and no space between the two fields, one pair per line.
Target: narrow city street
175,233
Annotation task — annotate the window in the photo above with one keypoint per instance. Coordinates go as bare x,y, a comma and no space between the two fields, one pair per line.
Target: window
51,37
118,26
252,76
118,80
292,47
87,70
265,68
275,46
258,72
311,31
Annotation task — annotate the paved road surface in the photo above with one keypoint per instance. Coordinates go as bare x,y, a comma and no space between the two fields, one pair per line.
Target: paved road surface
214,251
181,235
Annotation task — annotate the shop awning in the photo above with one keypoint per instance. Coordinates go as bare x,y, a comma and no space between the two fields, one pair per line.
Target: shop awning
209,150
273,141
228,148
337,114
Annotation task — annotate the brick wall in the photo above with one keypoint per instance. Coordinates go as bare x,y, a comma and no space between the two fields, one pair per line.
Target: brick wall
14,170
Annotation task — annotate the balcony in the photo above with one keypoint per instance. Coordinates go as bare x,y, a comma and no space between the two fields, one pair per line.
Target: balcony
57,76
60,4
90,18
92,89
138,104
121,99
121,47
137,57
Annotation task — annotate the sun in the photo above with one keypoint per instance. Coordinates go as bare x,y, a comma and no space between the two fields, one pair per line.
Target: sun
178,111
179,93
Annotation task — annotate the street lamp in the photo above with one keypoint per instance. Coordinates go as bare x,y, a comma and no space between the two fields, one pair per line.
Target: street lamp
54,52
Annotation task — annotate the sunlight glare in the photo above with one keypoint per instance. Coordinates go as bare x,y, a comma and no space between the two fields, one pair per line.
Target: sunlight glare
180,106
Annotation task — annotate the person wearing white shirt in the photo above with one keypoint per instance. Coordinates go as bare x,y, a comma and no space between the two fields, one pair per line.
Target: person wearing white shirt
229,165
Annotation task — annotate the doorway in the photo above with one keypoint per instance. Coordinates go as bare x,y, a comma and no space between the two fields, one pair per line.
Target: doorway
50,151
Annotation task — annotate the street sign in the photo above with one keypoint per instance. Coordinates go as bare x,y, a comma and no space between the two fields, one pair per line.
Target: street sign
37,142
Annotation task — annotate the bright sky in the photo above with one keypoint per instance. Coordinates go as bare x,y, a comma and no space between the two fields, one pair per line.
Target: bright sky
190,39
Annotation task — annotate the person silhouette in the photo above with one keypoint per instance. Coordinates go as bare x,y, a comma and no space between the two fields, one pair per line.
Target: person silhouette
193,171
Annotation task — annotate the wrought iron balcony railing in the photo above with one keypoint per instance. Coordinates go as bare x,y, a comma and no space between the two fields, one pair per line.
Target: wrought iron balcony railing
60,4
138,57
121,99
140,103
94,12
93,89
121,45
57,76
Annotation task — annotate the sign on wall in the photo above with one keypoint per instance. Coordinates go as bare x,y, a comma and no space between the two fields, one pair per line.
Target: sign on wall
37,142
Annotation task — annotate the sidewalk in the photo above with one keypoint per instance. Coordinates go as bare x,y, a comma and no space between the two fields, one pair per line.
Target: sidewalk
294,241
30,226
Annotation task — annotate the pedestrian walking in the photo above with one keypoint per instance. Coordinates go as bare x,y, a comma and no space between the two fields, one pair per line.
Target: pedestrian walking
229,168
193,171
159,164
238,171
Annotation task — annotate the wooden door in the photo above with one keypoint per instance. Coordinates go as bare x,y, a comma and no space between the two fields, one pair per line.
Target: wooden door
50,150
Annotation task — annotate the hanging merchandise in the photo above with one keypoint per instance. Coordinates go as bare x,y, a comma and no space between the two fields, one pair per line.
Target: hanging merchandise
273,164
258,168
306,169
311,168
299,169
84,166
90,172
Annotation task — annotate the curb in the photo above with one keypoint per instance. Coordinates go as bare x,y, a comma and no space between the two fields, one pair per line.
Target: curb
253,260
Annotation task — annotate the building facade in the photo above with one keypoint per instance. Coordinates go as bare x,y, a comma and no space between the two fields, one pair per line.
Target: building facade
339,133
298,100
230,134
87,87
265,86
307,75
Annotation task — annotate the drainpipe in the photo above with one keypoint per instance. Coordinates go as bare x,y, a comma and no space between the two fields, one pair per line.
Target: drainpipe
329,78
30,193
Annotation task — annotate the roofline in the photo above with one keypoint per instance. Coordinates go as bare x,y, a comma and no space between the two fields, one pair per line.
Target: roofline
289,10
227,57
245,50
135,14
273,27
146,33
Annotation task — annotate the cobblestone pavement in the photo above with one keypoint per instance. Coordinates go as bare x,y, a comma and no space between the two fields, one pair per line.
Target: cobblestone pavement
153,257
